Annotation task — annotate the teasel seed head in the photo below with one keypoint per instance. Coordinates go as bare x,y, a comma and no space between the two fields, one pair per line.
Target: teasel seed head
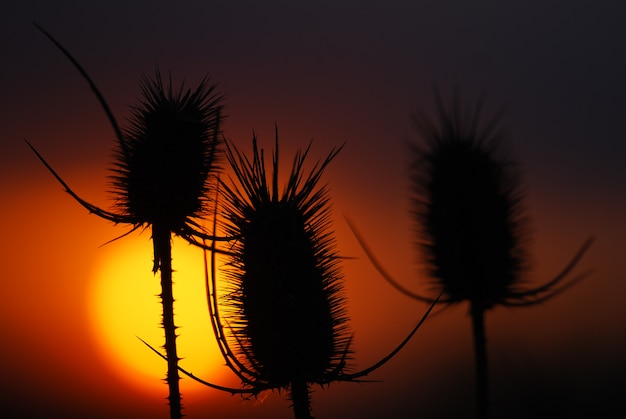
164,158
467,207
288,315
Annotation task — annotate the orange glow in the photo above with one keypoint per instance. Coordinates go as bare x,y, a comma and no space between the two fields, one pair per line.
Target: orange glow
72,309
125,305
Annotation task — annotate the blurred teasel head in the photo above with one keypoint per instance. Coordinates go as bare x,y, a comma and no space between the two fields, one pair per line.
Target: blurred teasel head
161,174
468,210
287,309
471,224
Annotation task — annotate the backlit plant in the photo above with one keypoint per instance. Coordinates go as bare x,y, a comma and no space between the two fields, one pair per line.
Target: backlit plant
282,323
471,224
161,179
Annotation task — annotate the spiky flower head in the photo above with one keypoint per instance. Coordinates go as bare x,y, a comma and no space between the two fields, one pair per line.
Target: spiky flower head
165,157
287,311
467,207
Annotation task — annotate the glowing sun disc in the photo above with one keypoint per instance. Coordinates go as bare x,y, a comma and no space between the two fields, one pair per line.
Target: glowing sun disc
125,304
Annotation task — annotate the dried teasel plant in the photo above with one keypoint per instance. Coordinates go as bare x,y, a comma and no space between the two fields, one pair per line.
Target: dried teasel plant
471,225
282,322
162,176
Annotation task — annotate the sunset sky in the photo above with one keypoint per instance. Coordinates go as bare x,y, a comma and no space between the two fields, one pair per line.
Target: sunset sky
331,72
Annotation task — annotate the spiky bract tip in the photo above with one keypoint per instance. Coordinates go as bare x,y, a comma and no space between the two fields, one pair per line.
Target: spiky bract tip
161,175
287,308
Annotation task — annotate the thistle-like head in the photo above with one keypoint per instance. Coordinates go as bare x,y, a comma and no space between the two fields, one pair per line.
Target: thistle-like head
164,158
467,207
287,308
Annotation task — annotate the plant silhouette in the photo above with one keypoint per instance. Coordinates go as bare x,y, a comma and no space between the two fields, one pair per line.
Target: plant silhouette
289,321
161,179
284,304
471,224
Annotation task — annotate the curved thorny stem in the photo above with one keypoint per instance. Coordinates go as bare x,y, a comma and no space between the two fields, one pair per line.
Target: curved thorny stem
162,174
257,201
528,297
218,329
93,209
382,271
355,376
92,85
546,291
195,236
189,374
244,374
192,232
256,387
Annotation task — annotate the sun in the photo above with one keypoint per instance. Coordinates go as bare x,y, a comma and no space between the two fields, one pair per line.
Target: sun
125,305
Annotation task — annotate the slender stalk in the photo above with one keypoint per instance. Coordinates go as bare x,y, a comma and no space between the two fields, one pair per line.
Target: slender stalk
161,178
471,223
480,356
163,261
300,397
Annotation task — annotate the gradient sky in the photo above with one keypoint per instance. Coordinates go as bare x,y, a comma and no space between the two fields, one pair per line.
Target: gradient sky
349,72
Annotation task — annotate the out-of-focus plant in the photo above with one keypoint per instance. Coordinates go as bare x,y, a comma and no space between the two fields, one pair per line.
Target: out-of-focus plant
161,179
472,227
284,308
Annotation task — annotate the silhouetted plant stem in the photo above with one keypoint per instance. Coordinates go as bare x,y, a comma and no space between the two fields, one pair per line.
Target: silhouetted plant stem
471,223
285,304
301,399
469,209
480,357
162,174
161,238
